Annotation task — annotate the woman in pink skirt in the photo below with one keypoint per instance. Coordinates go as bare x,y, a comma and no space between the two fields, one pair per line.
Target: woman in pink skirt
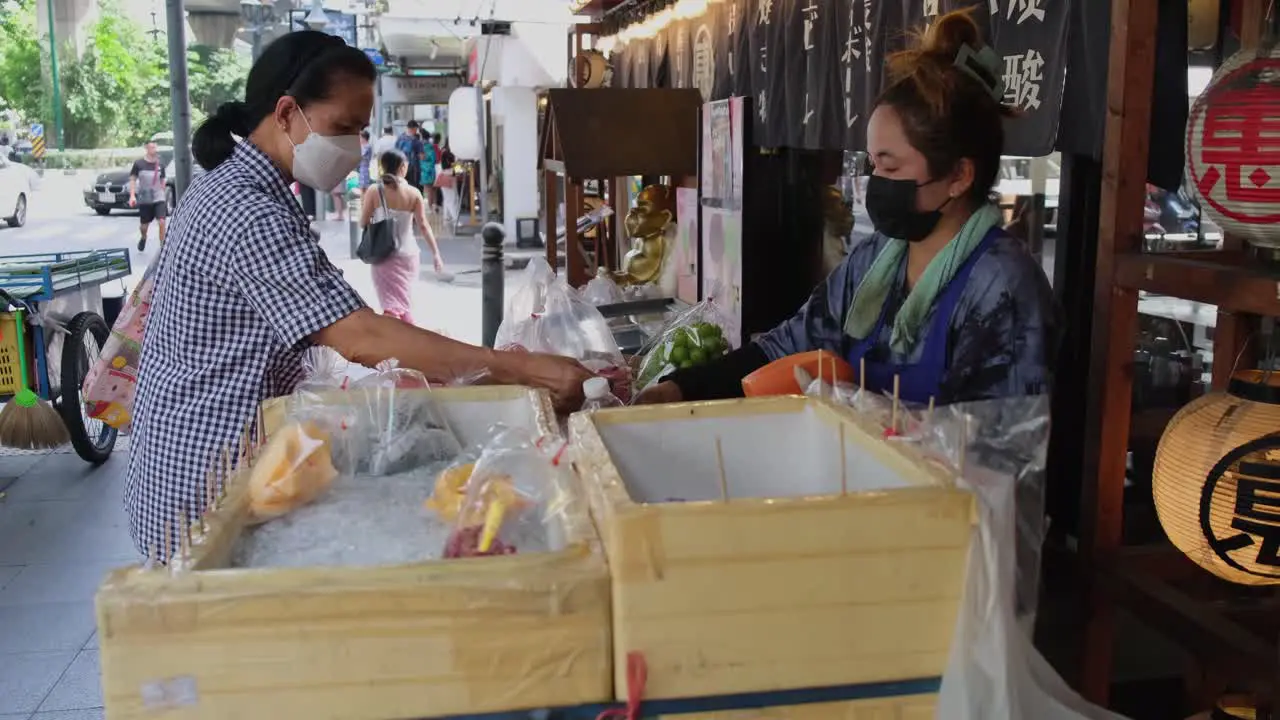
393,277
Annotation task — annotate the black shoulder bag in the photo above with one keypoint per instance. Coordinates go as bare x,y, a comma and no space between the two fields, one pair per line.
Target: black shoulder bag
379,239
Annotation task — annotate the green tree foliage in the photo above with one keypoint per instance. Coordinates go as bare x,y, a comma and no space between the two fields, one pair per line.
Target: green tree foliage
117,92
22,59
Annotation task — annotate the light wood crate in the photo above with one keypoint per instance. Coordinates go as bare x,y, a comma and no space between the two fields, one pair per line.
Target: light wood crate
378,643
907,707
791,582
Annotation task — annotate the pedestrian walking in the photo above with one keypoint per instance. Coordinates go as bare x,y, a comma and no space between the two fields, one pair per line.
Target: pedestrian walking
146,192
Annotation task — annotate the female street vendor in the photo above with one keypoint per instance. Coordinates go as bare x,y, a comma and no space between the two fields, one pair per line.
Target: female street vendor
941,296
243,287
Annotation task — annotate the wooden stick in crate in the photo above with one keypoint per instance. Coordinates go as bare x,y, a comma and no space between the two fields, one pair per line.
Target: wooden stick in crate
844,465
724,480
929,419
862,373
893,417
168,544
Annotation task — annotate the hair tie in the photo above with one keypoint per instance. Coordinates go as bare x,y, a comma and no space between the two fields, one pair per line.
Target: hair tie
982,65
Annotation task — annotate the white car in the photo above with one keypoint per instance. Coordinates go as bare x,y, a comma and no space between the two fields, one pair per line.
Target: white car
17,183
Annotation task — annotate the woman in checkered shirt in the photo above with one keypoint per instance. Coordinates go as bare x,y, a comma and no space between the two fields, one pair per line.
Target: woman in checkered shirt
243,288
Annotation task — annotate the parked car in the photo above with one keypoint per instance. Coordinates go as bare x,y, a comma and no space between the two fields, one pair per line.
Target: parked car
17,183
110,190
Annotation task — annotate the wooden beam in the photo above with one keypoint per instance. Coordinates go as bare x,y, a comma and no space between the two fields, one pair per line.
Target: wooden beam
1130,77
551,207
1227,280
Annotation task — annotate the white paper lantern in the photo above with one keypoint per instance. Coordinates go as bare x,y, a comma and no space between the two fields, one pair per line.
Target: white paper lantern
464,123
1233,147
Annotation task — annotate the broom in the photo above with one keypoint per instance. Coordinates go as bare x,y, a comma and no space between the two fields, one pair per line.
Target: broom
27,422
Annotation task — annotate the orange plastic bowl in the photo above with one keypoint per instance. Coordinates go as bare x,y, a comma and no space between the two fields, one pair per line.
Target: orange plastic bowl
779,376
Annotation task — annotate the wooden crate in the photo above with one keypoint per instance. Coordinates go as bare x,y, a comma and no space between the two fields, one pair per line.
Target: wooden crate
907,707
791,582
409,641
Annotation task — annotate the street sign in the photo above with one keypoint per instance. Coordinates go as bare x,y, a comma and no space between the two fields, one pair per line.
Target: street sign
418,90
37,130
37,144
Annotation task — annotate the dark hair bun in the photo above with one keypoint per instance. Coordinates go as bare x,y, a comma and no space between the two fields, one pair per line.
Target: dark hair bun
944,38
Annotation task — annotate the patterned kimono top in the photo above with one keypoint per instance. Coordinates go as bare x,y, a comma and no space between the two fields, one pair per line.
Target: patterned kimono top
1002,335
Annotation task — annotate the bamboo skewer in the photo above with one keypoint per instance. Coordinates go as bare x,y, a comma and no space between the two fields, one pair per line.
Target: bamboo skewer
724,480
893,418
168,543
862,374
184,536
151,556
929,417
844,465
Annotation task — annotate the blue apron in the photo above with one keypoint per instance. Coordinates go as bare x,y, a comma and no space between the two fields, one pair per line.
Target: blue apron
919,381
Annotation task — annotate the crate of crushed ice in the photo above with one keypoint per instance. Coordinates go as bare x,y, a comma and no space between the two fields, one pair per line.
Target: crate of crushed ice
416,553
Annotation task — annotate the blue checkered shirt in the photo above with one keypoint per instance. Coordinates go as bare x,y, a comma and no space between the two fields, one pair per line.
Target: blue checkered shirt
241,285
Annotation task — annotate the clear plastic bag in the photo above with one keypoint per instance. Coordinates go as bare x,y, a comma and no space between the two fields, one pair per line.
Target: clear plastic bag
518,499
566,325
526,303
295,468
602,290
696,336
398,426
997,449
325,370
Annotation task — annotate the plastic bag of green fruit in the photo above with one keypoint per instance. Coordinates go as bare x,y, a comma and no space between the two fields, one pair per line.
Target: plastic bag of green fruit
693,338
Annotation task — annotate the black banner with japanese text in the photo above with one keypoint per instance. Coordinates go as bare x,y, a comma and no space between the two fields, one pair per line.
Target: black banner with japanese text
815,67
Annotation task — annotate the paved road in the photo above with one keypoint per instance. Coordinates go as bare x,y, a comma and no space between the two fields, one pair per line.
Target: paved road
58,221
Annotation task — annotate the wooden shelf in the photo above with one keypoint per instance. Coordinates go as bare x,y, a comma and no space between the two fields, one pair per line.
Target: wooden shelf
1232,280
1209,618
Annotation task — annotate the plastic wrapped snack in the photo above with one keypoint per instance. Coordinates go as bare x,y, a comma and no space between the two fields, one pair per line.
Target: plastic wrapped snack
398,425
295,468
515,500
692,338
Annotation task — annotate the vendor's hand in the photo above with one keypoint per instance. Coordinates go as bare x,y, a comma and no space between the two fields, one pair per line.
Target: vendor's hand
133,201
439,264
562,376
663,392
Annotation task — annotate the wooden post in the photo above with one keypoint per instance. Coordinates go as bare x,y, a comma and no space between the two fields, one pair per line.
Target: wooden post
1231,346
1131,75
551,207
573,262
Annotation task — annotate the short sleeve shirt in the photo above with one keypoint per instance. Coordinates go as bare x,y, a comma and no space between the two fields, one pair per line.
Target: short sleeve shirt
242,283
150,177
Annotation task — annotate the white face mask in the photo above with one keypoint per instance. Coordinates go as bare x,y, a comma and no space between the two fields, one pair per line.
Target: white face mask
322,161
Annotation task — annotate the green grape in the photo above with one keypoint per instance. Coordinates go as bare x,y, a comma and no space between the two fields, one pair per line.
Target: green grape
679,355
698,357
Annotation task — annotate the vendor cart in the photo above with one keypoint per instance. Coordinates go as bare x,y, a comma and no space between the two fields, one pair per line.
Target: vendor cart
58,298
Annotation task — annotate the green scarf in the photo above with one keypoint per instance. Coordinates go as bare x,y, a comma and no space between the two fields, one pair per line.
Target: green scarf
870,295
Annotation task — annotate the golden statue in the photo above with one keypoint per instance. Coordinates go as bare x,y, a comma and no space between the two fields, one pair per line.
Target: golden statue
648,223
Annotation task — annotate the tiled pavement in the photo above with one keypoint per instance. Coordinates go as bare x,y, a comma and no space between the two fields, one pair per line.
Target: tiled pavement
61,529
62,526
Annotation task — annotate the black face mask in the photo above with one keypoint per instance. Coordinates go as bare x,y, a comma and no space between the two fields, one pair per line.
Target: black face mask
891,204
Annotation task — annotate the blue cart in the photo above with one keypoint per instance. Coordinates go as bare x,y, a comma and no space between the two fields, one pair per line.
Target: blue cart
60,296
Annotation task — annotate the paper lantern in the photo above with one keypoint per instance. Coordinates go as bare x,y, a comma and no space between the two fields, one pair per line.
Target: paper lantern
1217,480
591,70
464,123
1233,147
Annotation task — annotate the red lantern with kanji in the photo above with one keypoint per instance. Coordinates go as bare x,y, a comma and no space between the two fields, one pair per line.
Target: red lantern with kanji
1233,147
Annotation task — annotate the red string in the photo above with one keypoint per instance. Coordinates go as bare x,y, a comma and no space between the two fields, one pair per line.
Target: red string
637,676
890,432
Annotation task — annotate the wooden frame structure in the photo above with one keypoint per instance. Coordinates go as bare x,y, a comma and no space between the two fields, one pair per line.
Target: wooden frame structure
607,134
1220,632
